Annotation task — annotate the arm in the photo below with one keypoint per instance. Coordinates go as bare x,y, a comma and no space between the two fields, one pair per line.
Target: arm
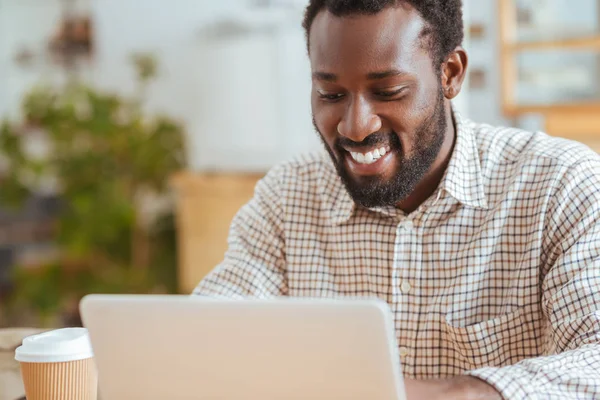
570,299
254,264
462,388
570,366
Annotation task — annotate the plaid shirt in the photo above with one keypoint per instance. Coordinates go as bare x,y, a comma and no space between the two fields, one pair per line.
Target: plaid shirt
496,275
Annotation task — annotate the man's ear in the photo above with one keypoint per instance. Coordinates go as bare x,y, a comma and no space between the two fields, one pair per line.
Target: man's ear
454,70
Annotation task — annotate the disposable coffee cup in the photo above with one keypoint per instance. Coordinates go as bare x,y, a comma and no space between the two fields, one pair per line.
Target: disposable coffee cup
58,365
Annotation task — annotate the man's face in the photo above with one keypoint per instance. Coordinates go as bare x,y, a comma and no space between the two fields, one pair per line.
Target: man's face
377,101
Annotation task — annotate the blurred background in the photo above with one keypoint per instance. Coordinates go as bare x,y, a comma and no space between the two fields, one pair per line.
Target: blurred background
131,132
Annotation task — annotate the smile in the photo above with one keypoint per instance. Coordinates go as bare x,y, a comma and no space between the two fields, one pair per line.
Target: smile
369,157
373,162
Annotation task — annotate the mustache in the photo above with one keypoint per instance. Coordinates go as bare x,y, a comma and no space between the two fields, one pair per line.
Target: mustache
373,140
342,143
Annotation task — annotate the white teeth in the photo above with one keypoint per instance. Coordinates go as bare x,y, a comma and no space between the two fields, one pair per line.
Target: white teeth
370,157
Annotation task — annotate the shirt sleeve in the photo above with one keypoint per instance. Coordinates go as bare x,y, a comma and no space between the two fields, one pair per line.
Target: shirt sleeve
254,264
570,365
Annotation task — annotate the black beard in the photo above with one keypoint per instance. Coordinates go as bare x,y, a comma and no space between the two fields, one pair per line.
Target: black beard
373,191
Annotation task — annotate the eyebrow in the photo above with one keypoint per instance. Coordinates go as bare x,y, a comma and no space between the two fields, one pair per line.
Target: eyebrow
324,76
384,74
372,76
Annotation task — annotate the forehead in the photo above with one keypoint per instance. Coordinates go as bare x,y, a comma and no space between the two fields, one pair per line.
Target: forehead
390,38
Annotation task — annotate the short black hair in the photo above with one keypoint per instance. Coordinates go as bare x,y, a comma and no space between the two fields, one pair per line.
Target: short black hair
444,19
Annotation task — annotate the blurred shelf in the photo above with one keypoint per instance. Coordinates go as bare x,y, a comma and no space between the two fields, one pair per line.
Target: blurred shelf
577,125
575,43
563,108
557,33
550,65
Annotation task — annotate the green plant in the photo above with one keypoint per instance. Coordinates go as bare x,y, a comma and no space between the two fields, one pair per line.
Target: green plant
110,163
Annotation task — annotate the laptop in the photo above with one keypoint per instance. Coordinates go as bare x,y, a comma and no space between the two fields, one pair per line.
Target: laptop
188,347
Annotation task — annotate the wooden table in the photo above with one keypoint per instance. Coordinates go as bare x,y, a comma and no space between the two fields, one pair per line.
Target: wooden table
11,386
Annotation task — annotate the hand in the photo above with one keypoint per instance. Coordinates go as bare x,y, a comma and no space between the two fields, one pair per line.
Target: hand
457,388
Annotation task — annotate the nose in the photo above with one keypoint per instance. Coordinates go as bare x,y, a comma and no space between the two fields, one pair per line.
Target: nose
359,121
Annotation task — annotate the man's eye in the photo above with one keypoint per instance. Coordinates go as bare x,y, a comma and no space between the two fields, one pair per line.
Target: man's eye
390,93
330,96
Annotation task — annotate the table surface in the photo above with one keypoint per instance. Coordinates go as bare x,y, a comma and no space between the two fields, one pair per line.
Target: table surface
11,385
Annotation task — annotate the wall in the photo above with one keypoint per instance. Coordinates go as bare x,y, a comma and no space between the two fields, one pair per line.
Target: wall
244,98
22,23
485,105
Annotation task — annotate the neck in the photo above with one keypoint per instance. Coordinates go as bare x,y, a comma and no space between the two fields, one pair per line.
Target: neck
430,182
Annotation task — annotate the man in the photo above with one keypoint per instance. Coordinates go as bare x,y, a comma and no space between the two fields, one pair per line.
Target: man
484,241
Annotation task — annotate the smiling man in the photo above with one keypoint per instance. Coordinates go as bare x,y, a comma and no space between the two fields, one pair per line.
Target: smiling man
484,241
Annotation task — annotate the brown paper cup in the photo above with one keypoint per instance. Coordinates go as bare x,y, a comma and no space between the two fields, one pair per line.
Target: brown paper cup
58,365
71,380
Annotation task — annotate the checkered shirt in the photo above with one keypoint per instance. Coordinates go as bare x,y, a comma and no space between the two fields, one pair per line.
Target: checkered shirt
496,275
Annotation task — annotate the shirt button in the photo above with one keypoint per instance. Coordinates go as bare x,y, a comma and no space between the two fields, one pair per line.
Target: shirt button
407,225
405,287
403,351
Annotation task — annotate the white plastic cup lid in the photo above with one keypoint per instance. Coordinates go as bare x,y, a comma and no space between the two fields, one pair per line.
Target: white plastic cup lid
61,345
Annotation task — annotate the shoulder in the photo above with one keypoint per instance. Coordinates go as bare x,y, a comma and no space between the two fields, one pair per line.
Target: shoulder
303,171
537,152
307,187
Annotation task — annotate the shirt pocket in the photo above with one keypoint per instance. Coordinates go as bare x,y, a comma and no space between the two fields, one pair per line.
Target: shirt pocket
496,342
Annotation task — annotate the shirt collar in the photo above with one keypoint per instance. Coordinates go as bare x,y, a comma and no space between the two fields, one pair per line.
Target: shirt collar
337,200
463,179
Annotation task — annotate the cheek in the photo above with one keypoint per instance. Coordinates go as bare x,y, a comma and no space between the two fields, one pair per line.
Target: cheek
326,120
419,106
409,116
